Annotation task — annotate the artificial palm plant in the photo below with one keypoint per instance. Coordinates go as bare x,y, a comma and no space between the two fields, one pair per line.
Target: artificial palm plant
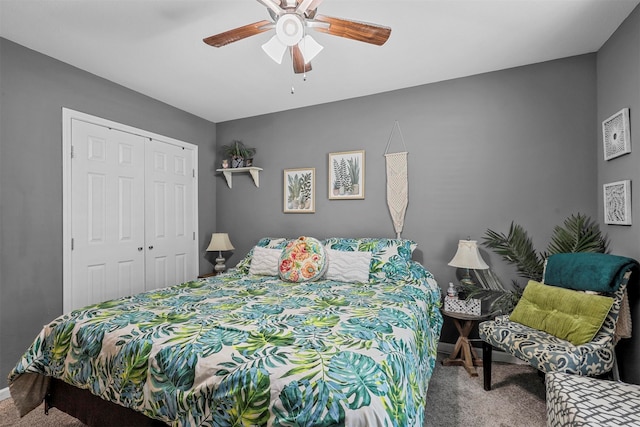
577,234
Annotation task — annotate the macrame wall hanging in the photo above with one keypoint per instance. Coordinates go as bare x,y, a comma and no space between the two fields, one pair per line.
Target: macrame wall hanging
397,182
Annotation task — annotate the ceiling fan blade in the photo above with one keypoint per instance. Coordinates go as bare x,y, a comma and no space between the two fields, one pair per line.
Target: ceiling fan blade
299,65
239,33
273,6
360,31
307,5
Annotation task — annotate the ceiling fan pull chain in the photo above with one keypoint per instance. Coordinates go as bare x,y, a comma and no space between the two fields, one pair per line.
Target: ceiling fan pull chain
293,90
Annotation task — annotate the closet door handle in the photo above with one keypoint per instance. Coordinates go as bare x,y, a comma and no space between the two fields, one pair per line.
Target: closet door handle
140,249
150,247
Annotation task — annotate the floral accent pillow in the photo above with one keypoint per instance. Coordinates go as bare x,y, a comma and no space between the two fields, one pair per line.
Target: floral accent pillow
266,242
303,260
390,257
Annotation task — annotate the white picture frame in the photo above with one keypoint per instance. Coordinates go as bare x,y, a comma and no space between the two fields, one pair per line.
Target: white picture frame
346,175
617,202
616,135
300,190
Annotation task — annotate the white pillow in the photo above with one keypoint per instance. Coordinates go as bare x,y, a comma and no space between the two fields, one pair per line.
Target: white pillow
265,261
348,266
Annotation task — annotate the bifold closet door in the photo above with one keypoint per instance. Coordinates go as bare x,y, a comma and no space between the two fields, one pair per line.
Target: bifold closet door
169,223
107,172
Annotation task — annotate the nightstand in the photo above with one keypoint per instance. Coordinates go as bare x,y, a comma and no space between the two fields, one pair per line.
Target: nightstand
463,353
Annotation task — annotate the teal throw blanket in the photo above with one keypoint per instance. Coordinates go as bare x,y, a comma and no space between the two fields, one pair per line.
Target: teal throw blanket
587,271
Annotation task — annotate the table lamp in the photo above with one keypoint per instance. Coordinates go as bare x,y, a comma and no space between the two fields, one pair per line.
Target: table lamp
468,257
220,242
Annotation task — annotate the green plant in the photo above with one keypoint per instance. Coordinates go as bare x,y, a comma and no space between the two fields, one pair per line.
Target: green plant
354,170
337,183
237,149
344,176
294,187
305,187
577,234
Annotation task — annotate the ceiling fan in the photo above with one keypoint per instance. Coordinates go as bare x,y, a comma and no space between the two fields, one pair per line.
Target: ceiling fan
291,19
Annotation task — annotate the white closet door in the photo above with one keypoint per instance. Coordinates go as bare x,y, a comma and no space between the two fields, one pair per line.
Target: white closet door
107,173
170,224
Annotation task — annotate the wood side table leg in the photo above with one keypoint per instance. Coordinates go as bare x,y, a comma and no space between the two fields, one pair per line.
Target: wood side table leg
463,353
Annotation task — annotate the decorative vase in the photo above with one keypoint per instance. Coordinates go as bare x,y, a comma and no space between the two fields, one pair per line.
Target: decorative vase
237,162
225,164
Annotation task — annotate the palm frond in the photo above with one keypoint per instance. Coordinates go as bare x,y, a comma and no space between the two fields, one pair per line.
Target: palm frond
579,234
517,249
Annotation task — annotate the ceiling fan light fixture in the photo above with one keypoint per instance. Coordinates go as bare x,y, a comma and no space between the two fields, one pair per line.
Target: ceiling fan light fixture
309,48
275,49
290,29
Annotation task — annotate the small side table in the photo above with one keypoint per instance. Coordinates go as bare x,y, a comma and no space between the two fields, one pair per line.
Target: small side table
463,353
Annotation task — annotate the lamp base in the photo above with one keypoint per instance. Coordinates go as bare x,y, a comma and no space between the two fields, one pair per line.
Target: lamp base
219,267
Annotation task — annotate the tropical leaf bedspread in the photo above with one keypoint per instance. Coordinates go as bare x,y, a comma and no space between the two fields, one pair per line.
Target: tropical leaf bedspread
249,350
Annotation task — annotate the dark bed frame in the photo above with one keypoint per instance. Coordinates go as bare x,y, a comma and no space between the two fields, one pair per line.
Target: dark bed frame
92,410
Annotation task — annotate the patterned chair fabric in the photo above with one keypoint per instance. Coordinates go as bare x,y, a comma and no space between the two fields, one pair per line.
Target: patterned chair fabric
548,353
578,401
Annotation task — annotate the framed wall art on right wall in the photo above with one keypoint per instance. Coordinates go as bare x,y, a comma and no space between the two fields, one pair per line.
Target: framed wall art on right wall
616,135
617,202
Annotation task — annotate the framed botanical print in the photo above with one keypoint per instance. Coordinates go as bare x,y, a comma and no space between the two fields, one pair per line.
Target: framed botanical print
299,190
616,136
617,202
346,175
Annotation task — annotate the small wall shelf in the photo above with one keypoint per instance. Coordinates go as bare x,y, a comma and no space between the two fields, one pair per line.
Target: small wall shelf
254,171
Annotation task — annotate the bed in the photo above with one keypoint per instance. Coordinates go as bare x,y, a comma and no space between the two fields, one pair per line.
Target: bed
342,332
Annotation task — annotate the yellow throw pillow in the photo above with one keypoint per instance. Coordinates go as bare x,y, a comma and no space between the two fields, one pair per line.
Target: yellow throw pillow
570,315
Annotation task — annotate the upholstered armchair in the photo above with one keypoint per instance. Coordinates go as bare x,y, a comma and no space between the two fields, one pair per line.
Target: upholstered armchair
606,275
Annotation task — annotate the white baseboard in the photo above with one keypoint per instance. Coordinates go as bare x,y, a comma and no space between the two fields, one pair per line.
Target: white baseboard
4,393
496,355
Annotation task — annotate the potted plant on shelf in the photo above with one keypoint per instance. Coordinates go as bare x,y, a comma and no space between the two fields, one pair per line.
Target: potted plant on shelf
240,154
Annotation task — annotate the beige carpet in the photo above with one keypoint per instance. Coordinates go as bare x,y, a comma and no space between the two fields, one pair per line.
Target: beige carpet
454,399
517,398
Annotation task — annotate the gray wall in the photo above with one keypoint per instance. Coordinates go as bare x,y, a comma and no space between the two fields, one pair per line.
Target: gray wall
513,145
618,68
34,88
521,145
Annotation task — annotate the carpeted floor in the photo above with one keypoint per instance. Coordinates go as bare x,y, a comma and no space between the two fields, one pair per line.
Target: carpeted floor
454,399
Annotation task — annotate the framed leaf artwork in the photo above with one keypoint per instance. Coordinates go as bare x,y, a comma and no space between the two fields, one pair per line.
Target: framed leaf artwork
299,190
346,175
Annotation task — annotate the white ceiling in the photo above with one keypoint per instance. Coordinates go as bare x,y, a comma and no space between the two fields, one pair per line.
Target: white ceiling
155,46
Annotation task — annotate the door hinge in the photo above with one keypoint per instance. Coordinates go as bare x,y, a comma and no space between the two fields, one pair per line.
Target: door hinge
194,172
72,151
72,242
194,235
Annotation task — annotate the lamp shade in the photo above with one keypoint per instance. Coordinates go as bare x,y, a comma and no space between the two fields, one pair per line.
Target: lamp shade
310,48
220,242
275,49
468,256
